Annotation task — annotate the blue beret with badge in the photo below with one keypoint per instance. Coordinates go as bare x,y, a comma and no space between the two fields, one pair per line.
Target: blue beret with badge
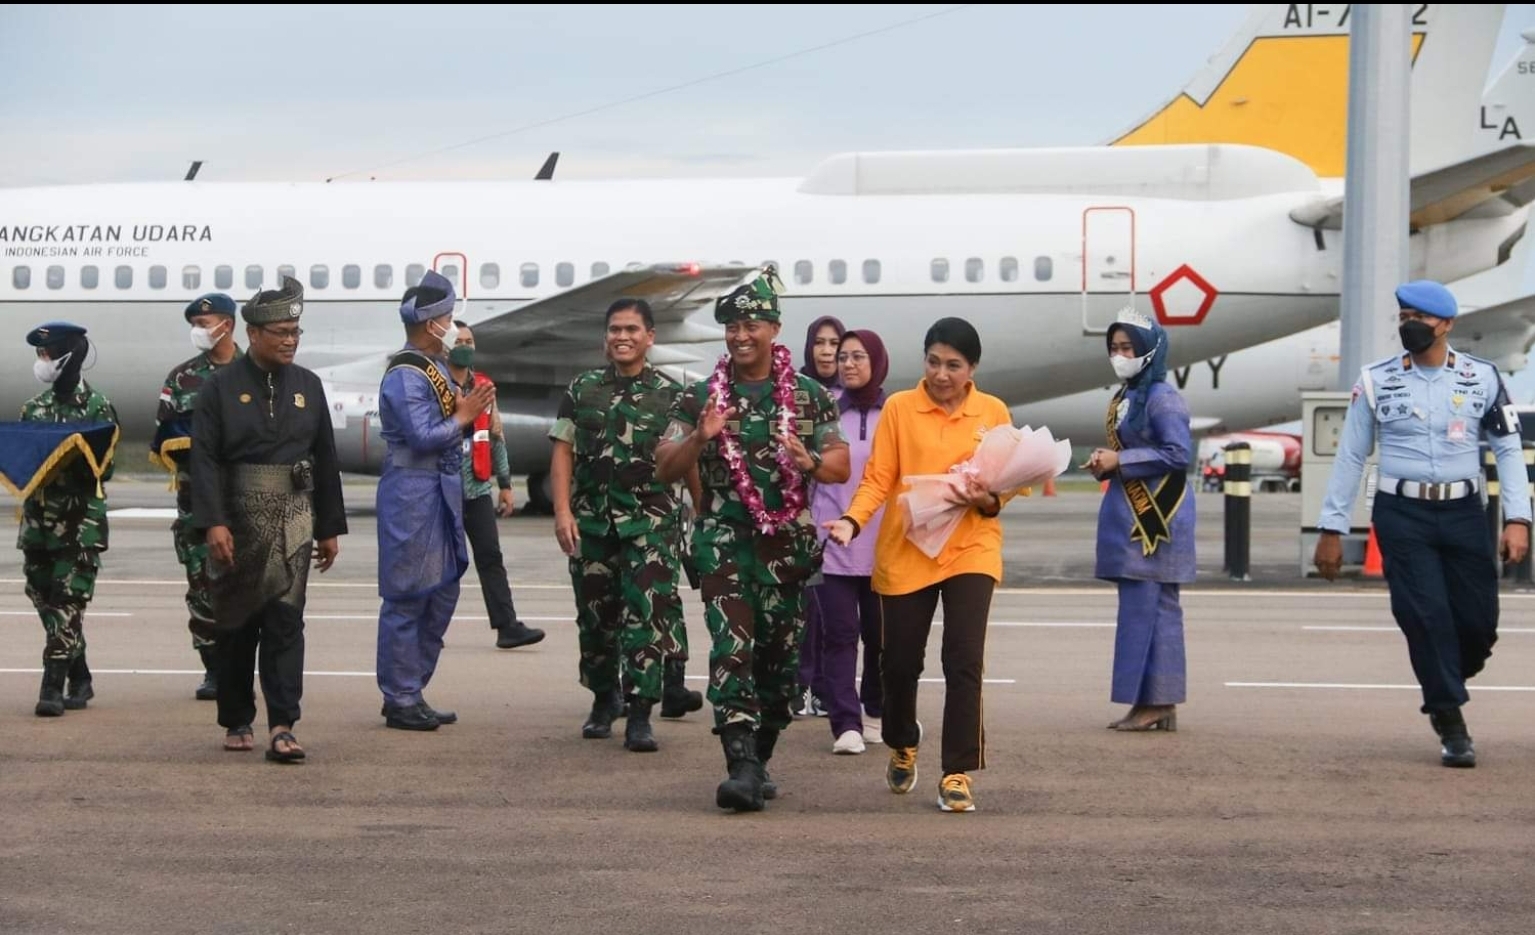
54,332
1428,297
214,303
433,298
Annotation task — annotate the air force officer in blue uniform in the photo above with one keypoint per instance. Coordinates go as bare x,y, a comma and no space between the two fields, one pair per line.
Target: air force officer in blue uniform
1429,409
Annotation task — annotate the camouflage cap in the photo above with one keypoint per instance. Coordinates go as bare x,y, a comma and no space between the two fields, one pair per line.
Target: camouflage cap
755,299
274,305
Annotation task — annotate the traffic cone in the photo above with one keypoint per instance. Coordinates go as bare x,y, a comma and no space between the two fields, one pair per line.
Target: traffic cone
1050,487
1372,563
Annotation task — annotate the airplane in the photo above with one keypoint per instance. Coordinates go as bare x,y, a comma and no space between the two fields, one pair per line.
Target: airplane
1039,248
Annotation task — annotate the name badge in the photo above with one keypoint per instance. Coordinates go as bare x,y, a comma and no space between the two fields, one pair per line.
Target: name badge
1457,430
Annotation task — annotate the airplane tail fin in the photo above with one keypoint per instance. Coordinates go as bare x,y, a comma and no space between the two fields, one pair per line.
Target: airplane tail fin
1281,82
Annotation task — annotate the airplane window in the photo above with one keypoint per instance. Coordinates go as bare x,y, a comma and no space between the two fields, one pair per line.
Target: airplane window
21,276
528,275
253,277
836,271
157,277
1008,269
55,277
804,272
1044,268
223,277
413,274
871,271
285,272
191,277
449,272
124,277
975,270
490,275
89,277
383,275
319,276
599,269
351,276
564,274
940,270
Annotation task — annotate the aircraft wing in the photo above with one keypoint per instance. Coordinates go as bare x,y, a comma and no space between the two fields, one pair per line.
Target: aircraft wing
1501,333
1490,185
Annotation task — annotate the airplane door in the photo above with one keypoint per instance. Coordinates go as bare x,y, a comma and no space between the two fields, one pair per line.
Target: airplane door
1108,266
454,267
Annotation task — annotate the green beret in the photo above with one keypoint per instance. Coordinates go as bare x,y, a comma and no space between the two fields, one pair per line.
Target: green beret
756,299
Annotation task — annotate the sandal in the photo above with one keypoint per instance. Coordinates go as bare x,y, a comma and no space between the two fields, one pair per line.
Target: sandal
240,739
293,754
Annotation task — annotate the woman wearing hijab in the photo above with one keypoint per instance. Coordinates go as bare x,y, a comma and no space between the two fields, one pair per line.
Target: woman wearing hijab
845,601
1146,525
821,341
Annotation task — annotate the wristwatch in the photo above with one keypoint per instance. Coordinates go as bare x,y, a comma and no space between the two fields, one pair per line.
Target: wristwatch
815,461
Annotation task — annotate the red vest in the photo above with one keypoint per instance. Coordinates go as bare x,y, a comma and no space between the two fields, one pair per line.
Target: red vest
479,448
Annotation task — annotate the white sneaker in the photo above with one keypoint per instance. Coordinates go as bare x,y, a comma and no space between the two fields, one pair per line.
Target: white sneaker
851,742
871,730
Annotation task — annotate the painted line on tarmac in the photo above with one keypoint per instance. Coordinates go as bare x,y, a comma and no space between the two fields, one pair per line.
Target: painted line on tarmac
1501,630
1047,624
88,613
1352,685
344,674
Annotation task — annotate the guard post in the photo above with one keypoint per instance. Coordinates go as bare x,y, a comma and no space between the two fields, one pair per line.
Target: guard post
1238,488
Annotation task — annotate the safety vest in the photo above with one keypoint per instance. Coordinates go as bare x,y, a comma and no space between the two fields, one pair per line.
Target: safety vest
479,448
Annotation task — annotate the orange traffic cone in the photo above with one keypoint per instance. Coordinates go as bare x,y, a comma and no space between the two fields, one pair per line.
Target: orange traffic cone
1050,487
1372,563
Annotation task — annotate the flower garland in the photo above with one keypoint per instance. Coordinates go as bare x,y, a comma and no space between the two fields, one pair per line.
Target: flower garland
791,480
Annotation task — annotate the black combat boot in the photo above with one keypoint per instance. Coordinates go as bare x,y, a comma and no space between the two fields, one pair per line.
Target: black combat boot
80,690
767,739
676,699
638,736
605,707
50,698
743,790
209,689
1456,747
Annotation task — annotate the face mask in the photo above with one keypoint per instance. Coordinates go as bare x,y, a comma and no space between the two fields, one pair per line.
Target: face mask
461,356
47,371
447,336
1127,367
1417,336
203,338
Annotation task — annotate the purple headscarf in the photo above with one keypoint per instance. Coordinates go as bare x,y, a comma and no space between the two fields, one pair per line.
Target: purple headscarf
872,393
809,368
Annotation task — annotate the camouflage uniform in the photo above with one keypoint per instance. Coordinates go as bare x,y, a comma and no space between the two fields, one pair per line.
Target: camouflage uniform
753,584
177,398
625,575
64,529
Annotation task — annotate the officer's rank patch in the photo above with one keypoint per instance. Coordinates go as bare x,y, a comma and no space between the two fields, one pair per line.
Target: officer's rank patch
298,400
1456,400
245,397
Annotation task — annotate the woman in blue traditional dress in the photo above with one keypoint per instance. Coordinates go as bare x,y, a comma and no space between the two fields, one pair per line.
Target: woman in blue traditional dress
1146,525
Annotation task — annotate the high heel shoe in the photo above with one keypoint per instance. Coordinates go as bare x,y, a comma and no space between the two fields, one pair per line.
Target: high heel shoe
1153,718
1133,713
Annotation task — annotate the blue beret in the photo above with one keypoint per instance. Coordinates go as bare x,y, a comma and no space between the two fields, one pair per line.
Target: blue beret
214,303
434,298
1427,296
53,332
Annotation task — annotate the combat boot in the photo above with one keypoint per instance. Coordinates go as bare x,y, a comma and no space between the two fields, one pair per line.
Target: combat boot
1456,750
80,690
599,724
209,689
50,698
638,737
767,739
676,699
743,790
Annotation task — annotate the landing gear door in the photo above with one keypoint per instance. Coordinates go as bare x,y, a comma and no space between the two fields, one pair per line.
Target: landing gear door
1108,266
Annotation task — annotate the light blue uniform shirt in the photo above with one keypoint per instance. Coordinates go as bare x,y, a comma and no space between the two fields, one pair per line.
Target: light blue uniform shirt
1430,422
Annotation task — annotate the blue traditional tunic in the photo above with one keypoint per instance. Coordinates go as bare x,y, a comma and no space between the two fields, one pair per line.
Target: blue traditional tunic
1160,446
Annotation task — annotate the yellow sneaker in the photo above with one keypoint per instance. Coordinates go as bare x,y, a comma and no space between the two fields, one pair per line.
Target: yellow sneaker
901,774
954,793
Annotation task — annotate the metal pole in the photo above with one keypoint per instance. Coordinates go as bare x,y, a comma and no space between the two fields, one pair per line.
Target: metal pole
1239,507
1376,179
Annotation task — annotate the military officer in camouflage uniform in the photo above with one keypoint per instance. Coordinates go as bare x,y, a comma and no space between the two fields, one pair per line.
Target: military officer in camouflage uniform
755,543
212,318
620,525
64,523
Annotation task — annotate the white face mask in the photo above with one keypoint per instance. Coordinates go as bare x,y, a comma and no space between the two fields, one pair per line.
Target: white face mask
204,339
47,371
1127,367
448,336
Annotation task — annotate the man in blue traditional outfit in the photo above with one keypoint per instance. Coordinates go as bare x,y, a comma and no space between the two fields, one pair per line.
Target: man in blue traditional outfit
421,547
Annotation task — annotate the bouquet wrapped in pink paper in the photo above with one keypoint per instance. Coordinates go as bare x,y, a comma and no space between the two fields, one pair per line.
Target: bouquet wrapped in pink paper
1006,459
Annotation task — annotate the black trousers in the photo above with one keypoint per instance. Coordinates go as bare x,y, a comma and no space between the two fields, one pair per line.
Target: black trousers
485,543
1441,570
908,621
276,632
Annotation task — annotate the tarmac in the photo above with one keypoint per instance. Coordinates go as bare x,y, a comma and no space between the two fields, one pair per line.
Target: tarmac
1301,793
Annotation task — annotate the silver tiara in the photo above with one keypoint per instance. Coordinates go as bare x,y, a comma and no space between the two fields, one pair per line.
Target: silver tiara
1129,316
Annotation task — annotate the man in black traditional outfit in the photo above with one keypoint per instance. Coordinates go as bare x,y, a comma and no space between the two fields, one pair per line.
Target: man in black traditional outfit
266,489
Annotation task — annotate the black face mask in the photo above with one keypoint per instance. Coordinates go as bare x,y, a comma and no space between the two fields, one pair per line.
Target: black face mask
1417,336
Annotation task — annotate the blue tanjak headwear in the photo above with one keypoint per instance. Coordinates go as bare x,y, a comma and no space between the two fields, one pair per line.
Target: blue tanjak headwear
1148,338
1427,296
434,298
